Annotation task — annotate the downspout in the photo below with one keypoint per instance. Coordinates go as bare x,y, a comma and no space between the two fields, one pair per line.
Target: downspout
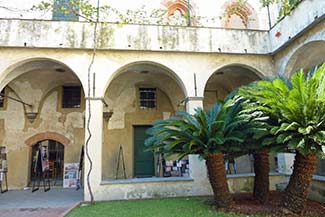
188,13
269,15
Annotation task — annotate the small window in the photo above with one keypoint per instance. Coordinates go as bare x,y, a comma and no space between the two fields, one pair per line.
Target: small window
65,10
71,97
147,98
2,98
320,170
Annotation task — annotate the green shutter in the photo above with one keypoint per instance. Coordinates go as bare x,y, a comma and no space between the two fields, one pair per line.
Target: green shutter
143,161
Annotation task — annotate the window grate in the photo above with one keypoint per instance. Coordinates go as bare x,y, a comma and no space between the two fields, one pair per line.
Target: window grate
2,98
148,98
71,97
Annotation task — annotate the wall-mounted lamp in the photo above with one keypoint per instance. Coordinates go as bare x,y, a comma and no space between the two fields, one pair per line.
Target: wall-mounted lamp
107,115
31,116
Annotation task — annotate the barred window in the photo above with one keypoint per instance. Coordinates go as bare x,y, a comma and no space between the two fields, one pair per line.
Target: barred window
71,97
147,98
2,98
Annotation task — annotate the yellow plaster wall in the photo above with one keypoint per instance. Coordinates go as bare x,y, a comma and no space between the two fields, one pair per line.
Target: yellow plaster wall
15,128
113,138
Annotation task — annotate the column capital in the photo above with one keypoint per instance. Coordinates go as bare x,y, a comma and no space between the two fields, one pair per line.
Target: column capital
96,99
192,103
193,98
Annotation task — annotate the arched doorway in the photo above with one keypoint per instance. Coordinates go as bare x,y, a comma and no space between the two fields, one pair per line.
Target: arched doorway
139,94
55,154
42,96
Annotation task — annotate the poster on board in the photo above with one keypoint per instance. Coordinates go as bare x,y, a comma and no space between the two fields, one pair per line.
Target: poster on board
3,159
71,171
44,158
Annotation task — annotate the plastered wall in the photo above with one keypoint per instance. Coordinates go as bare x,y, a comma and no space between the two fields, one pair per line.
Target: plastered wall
39,89
122,97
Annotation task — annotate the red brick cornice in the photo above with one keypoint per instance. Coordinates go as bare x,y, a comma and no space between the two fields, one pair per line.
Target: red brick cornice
47,136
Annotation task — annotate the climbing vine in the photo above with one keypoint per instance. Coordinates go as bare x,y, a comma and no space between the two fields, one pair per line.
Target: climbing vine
286,6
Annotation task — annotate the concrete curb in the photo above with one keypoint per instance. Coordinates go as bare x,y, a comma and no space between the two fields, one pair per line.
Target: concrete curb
71,208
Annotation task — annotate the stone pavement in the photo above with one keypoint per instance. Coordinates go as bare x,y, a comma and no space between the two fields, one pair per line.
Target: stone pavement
50,204
33,212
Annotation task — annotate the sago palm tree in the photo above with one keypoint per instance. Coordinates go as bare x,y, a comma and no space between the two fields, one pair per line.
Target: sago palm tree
257,131
299,105
208,134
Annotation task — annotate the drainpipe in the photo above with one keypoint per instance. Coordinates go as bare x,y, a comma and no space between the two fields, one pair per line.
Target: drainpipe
97,11
269,15
188,13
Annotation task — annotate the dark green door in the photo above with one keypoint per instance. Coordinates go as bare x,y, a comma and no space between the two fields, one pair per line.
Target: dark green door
143,161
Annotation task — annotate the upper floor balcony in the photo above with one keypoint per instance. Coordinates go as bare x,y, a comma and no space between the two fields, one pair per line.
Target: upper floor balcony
49,33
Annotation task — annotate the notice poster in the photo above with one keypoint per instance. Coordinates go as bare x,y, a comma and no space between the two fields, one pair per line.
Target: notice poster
44,158
71,171
3,158
80,168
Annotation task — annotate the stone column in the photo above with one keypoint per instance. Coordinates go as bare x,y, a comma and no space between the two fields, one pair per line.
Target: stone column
197,166
285,163
192,103
95,145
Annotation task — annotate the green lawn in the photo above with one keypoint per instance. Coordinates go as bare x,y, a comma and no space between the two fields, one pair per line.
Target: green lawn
174,207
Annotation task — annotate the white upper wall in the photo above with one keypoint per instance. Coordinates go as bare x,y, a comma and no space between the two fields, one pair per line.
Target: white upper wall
78,35
211,11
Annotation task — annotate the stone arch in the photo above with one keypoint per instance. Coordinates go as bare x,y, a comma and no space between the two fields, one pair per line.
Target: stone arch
125,93
241,9
226,79
243,65
20,67
50,72
180,5
253,69
306,56
47,136
169,71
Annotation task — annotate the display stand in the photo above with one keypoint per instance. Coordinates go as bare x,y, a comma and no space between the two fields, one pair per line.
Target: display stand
161,165
3,181
3,170
80,168
42,171
120,155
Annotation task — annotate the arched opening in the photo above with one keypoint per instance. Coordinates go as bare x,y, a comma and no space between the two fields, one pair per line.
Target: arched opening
42,95
225,80
139,94
221,83
307,57
240,15
55,157
177,12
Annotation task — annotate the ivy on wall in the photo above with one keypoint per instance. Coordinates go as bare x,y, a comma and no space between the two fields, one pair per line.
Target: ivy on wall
158,16
286,6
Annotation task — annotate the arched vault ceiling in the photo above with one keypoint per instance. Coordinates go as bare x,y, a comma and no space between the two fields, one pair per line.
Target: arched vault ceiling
309,56
230,78
145,75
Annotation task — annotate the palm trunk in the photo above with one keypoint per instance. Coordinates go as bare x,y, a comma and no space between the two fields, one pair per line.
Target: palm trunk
261,181
217,176
296,193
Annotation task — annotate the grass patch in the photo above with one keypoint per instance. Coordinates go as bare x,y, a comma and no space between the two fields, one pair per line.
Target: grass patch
171,207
